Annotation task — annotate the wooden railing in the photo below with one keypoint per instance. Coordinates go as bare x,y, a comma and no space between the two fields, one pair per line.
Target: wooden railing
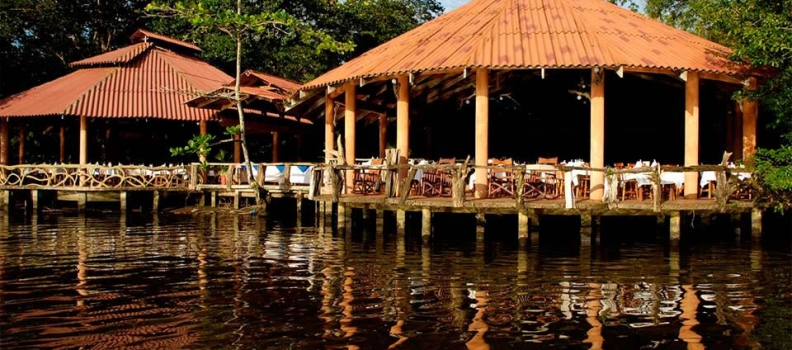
729,185
186,177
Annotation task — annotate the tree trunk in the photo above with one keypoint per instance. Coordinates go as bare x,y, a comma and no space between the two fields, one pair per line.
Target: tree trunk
251,180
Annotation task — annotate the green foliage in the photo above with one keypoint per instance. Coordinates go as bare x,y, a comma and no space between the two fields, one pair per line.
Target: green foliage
199,145
758,31
233,130
772,169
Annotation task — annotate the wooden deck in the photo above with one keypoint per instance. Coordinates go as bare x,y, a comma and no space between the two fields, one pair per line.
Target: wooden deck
554,206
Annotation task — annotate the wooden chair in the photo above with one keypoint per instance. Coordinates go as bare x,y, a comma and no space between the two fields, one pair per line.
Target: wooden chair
583,187
501,181
670,191
435,182
367,181
629,187
548,161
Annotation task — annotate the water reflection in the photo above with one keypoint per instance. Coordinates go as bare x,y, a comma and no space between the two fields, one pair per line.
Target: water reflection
219,281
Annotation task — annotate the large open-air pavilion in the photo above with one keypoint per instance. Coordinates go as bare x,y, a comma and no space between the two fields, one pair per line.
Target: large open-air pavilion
523,80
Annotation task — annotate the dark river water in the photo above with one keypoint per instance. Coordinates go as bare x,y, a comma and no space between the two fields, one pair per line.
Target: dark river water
103,281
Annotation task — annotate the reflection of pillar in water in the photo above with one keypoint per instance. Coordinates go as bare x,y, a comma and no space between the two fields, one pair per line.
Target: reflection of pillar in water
746,305
426,264
689,306
203,278
401,292
566,300
673,263
479,325
329,295
593,307
82,258
585,259
401,250
346,303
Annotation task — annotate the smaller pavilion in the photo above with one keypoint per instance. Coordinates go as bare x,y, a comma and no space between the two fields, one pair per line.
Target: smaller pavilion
490,50
263,96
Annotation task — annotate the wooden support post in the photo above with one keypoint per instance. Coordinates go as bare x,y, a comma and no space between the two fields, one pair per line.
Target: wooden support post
5,200
34,199
585,228
736,223
237,199
155,202
401,221
426,225
597,141
365,212
350,137
756,223
202,127
4,141
213,199
403,123
482,132
237,148
383,134
275,147
522,228
320,215
82,199
83,147
122,200
675,227
21,144
329,127
380,220
750,115
737,140
62,137
342,216
299,206
481,225
691,133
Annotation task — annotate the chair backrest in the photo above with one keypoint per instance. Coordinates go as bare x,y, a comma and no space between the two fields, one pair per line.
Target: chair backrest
548,161
618,165
502,173
376,162
447,161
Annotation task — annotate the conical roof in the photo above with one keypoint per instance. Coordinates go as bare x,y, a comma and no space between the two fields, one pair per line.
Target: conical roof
514,34
152,78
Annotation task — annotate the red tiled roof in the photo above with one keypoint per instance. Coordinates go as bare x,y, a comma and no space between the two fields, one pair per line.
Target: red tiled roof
156,85
281,83
120,56
509,34
142,34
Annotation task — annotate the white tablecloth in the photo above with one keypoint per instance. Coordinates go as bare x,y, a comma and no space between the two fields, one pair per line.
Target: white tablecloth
707,176
298,174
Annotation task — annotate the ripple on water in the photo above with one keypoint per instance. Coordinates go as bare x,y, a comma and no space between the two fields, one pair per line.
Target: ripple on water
206,282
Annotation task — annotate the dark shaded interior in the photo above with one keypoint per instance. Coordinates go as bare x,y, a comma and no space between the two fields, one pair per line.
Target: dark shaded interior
532,117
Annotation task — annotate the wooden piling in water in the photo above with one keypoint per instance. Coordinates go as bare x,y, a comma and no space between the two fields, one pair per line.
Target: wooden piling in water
82,199
155,201
522,228
426,225
756,223
34,199
342,216
675,227
122,201
401,221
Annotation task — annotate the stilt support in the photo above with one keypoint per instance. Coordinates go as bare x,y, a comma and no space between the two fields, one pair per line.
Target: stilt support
237,199
481,224
299,202
34,198
213,199
5,200
522,228
401,221
756,223
82,198
122,200
155,202
342,215
380,220
426,225
675,227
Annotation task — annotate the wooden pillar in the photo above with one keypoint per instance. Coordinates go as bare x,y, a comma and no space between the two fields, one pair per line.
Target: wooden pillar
299,206
237,199
750,114
299,146
204,132
237,148
83,140
82,200
737,146
585,228
597,141
342,215
155,202
275,147
403,124
62,143
21,158
691,133
383,134
756,223
401,221
482,131
379,221
426,225
522,228
675,227
4,141
34,198
122,200
213,199
329,127
350,117
5,200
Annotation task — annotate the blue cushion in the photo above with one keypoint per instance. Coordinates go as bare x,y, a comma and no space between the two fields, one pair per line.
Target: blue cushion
280,168
303,168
